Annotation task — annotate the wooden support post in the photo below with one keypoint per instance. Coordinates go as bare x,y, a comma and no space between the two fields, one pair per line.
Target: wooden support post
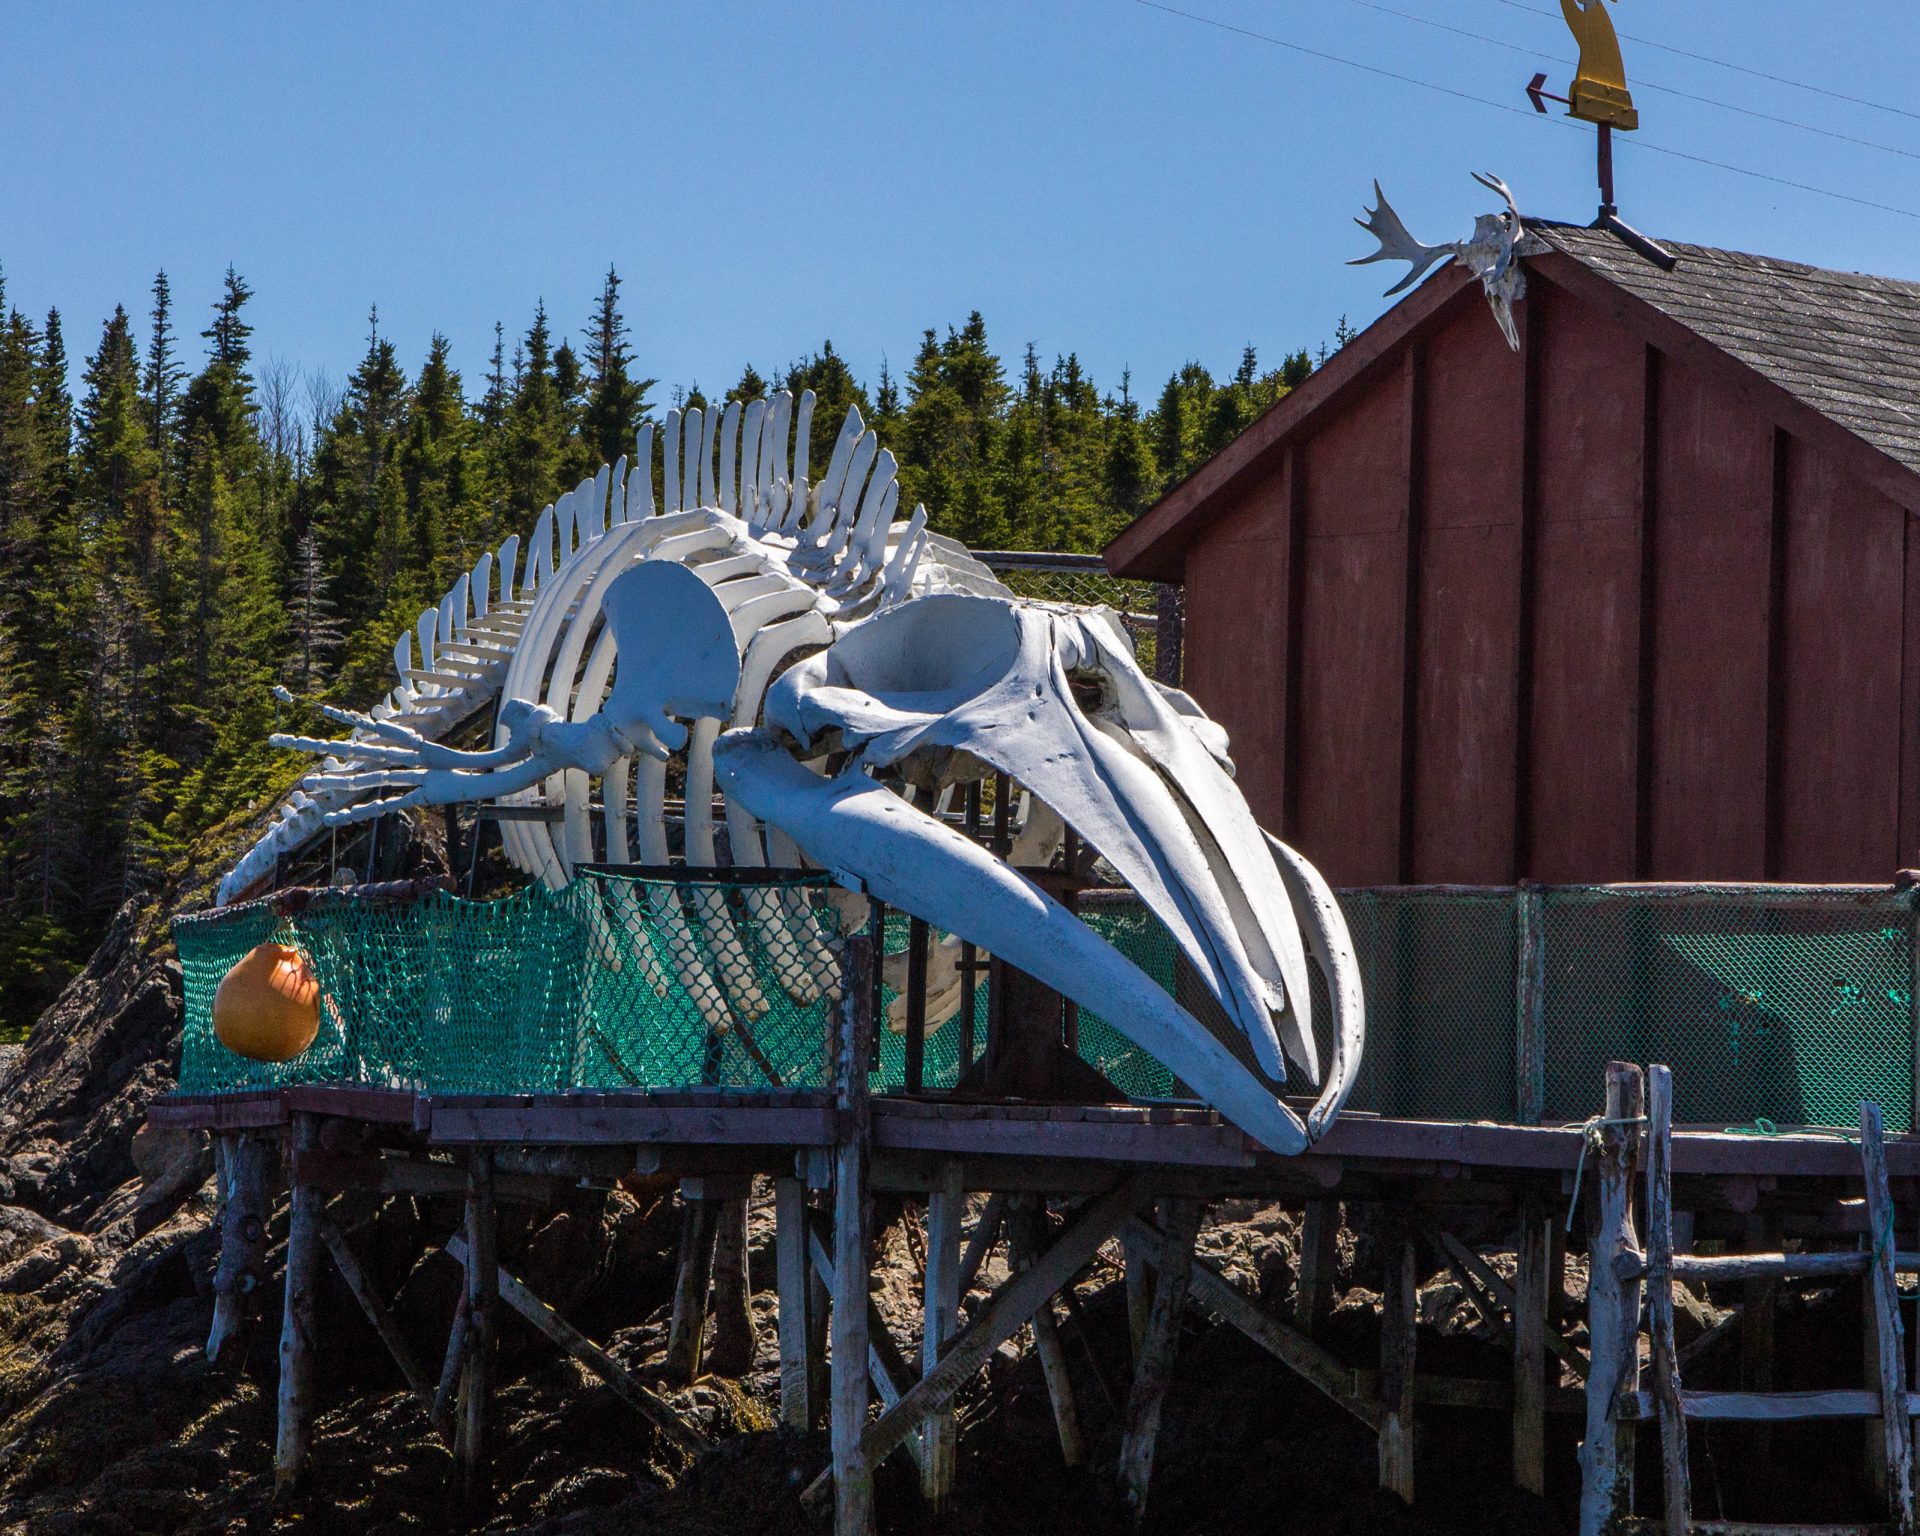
939,1317
1139,1279
297,1321
1678,1501
476,1391
1885,1296
986,1232
1024,1224
1530,1005
1154,1372
734,1340
1530,1347
692,1287
1613,1307
1398,1303
852,1468
916,1041
1319,1256
452,1369
244,1162
377,1311
1759,1300
790,1270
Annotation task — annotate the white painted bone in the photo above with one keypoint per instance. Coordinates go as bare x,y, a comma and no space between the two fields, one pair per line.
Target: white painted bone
748,622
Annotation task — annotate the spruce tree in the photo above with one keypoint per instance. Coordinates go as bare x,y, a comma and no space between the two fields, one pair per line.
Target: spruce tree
160,384
616,401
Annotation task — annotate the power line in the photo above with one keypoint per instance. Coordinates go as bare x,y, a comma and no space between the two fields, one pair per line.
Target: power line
1501,106
1758,74
1668,90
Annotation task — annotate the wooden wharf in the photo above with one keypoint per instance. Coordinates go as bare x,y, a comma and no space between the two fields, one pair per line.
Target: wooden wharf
1131,1179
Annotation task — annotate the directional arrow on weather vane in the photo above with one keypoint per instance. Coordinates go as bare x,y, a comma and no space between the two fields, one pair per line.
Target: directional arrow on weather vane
1540,96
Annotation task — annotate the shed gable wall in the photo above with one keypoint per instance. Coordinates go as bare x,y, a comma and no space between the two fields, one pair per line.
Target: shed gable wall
1718,617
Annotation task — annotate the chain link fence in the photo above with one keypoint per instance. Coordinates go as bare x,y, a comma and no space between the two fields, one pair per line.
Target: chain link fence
1773,1005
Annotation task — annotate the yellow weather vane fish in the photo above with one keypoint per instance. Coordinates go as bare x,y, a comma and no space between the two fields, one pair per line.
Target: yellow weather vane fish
1599,91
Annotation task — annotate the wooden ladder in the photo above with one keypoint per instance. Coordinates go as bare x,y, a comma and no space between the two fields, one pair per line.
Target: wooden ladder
1893,1403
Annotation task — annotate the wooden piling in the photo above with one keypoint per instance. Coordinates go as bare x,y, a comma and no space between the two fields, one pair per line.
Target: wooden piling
1530,1325
1398,1302
476,1391
1025,1223
1885,1300
734,1340
692,1288
297,1320
852,1472
940,1317
790,1273
244,1163
1313,1289
1676,1484
1154,1371
1613,1306
452,1369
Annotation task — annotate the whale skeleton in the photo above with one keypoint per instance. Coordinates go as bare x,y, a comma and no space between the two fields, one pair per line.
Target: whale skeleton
833,674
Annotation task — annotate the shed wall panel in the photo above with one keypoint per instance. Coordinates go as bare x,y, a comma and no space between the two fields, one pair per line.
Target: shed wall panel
1838,777
1352,594
1465,725
1236,639
1712,533
1583,710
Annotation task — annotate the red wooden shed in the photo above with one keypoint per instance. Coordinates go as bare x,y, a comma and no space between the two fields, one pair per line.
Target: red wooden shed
1640,601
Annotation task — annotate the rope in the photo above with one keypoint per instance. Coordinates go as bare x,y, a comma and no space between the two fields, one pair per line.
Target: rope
1590,1138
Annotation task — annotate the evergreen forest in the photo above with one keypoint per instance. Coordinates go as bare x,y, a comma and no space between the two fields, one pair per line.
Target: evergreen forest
184,525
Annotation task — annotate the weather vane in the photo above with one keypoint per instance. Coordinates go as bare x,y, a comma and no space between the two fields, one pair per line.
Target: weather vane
1599,95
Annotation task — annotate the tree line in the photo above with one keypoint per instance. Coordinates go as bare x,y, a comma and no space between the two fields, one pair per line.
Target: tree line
202,523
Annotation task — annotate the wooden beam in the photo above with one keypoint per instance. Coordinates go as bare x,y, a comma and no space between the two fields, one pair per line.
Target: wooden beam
652,1407
735,1342
244,1162
453,1367
589,1118
1153,1373
1024,1232
1766,1407
790,1270
886,1365
1530,1000
939,1317
986,1232
1885,1301
476,1390
1530,1330
1005,1313
853,1462
1568,1354
1613,1309
1292,1348
1399,1305
377,1311
297,1321
1677,1483
692,1288
1319,1257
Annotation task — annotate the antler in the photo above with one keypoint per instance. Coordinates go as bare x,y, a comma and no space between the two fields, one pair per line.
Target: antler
1494,184
1396,244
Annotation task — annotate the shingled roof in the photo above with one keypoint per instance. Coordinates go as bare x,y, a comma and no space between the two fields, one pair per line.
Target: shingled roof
1845,343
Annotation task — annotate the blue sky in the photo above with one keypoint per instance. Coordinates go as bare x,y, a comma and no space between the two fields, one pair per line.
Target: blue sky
1093,175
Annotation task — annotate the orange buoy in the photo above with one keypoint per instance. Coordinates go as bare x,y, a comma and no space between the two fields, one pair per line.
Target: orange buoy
267,1007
